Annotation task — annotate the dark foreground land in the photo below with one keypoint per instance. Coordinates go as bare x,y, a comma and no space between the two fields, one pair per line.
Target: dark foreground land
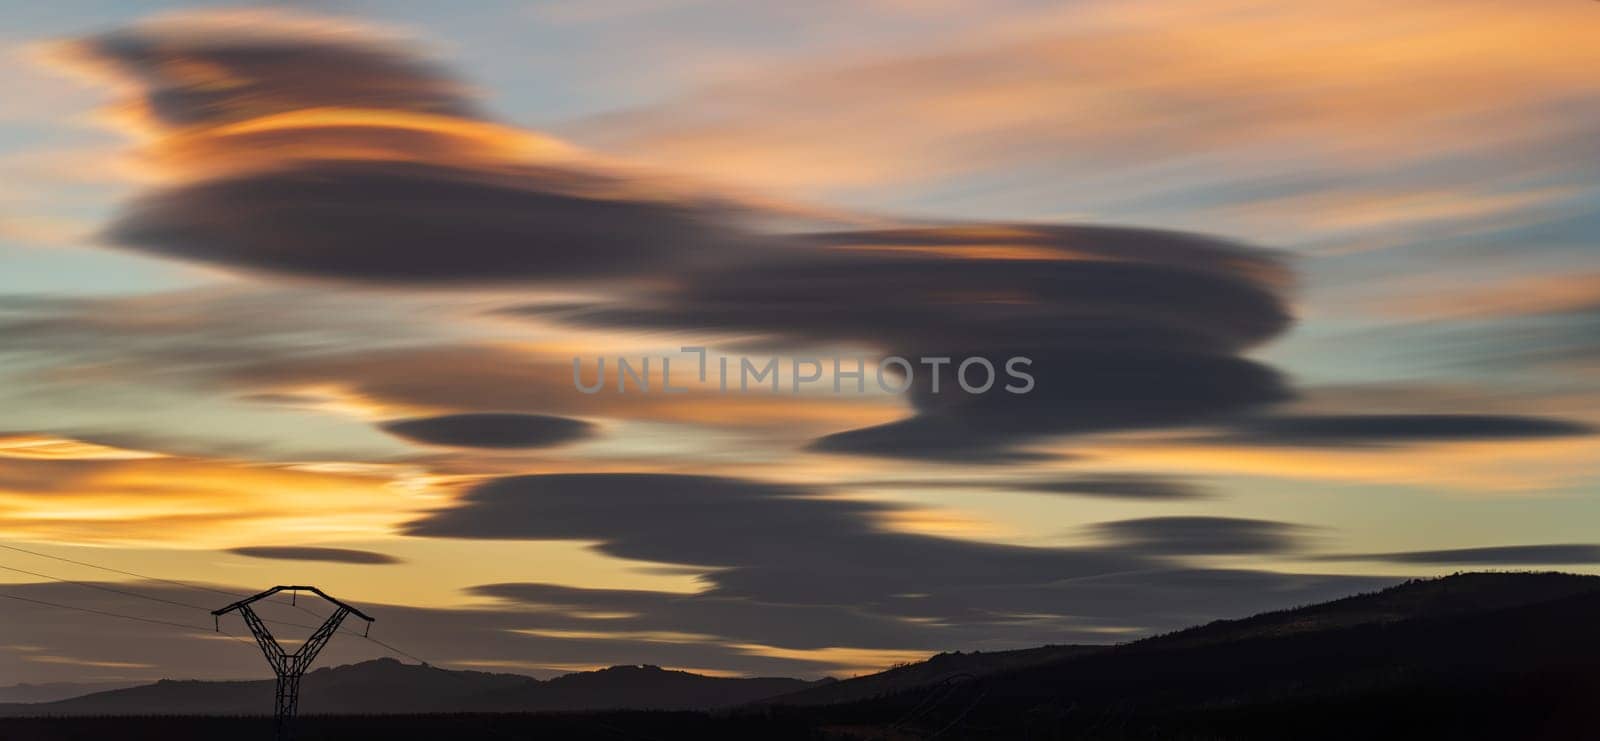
608,726
1474,656
1415,715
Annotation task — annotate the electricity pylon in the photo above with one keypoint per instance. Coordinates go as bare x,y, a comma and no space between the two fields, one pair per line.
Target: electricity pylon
290,666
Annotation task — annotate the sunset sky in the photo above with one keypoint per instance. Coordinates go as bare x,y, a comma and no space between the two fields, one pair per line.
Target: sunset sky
1311,293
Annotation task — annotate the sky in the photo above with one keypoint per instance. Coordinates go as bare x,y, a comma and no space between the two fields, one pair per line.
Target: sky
1308,294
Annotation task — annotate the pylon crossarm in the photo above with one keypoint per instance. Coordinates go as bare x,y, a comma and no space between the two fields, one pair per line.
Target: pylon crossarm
298,588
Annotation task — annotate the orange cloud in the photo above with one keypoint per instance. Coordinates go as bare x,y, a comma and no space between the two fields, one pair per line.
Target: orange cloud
1338,83
346,134
209,94
1535,295
194,503
50,447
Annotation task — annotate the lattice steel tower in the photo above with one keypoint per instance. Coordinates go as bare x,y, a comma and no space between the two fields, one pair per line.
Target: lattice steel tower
290,666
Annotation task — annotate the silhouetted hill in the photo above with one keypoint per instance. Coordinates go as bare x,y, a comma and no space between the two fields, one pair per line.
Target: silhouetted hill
52,691
1466,656
1471,656
924,673
1418,598
637,687
389,686
1413,599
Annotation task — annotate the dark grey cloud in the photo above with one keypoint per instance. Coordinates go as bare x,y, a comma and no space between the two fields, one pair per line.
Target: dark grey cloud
436,194
1508,555
1201,535
1089,609
414,223
756,540
1128,327
697,520
1076,392
733,619
1135,486
1109,287
205,76
1313,430
1120,486
304,553
1125,327
491,430
807,570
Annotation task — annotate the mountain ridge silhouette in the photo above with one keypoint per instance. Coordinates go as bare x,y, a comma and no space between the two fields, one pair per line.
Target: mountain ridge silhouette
1486,655
390,686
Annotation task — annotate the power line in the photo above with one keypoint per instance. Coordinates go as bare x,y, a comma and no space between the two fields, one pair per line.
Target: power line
107,613
102,587
89,585
185,626
147,577
392,649
240,639
362,636
186,585
102,612
114,590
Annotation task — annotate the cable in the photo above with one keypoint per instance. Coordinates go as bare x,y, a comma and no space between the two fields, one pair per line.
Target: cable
101,587
363,636
202,629
119,571
104,612
392,649
114,590
186,585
